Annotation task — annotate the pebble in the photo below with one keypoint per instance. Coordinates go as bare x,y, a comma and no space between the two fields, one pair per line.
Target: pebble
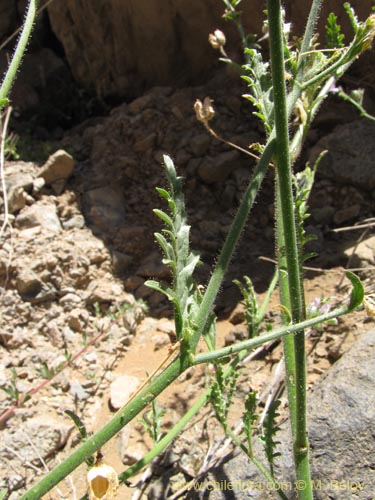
121,389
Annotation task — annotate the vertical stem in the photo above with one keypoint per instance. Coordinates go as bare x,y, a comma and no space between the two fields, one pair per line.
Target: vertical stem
20,50
288,341
288,226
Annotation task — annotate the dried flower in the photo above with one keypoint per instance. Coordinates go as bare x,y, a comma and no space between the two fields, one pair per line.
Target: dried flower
204,111
103,482
369,305
217,39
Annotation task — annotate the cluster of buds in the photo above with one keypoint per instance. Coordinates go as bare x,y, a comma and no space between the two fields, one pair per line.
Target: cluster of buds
204,110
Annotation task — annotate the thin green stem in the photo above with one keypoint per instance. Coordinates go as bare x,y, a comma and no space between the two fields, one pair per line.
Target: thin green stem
262,469
288,226
288,341
253,343
97,441
177,366
230,243
11,73
167,439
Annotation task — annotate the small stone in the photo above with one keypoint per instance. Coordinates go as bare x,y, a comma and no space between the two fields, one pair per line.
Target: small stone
362,253
58,167
199,144
133,282
145,144
39,215
104,291
121,261
39,437
38,185
346,214
133,454
218,168
106,207
76,222
121,389
16,199
28,283
160,341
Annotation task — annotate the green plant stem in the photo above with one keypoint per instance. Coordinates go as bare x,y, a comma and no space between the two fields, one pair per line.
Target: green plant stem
356,104
288,226
288,341
156,386
167,439
265,472
122,417
172,371
230,243
14,65
253,343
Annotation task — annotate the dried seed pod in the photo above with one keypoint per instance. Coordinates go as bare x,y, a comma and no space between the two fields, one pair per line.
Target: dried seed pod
103,482
204,111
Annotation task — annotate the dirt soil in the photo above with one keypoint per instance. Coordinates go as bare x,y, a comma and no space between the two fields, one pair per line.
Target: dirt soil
79,286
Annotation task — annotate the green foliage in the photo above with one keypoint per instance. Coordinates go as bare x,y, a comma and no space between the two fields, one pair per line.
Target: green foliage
335,39
270,429
90,461
174,242
11,389
249,418
3,493
11,142
258,78
251,304
152,420
222,392
45,371
357,293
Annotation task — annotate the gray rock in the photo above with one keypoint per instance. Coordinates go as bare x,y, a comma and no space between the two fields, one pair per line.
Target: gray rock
39,215
58,167
106,207
121,389
346,214
217,169
351,150
28,283
39,437
19,178
76,222
104,291
341,430
121,261
362,253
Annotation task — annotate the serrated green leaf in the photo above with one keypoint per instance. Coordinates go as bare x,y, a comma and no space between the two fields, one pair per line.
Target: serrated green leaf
357,293
352,16
335,39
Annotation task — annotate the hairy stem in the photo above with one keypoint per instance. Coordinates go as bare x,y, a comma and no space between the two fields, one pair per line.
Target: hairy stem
288,227
11,73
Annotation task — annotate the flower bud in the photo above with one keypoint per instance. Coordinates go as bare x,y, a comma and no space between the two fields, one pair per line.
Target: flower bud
217,39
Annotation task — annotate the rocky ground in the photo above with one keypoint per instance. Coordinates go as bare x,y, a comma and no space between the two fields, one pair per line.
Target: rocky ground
75,314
